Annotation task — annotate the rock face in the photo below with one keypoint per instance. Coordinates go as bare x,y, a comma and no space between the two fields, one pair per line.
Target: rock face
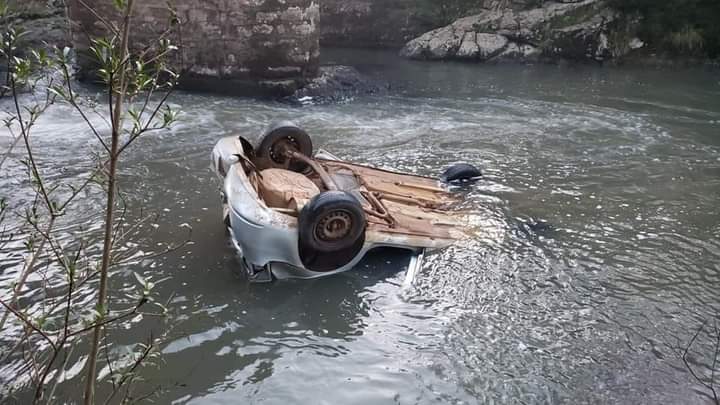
571,29
371,23
43,23
239,47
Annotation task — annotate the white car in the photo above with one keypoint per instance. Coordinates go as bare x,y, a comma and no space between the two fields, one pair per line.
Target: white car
292,214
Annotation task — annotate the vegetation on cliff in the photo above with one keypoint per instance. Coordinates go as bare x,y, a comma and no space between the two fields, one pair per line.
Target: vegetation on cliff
676,27
444,12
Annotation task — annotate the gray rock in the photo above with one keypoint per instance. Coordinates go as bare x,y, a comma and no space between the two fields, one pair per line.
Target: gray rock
571,29
523,52
636,43
490,45
336,83
444,43
441,43
469,48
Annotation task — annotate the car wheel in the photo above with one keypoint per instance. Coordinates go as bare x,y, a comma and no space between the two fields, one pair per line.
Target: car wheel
461,173
279,138
331,222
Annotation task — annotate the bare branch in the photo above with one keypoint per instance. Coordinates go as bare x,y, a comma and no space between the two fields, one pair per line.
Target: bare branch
108,321
714,363
28,323
149,347
687,363
73,102
145,129
108,24
30,262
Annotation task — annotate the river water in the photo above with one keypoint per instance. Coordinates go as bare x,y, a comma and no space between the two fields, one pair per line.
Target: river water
595,259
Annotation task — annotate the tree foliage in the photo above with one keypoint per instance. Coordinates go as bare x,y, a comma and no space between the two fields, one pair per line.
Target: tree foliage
43,333
443,12
678,26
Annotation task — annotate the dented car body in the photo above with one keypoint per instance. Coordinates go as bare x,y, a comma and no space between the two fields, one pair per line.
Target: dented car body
292,214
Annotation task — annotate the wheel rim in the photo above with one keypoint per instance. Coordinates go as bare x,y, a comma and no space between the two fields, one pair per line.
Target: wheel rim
334,226
278,149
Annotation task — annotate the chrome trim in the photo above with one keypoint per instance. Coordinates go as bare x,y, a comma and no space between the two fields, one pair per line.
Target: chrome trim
414,267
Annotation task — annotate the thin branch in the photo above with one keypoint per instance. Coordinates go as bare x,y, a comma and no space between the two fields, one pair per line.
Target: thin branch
130,373
123,215
145,129
685,354
122,236
101,324
20,342
714,364
107,358
165,252
68,354
109,25
26,139
71,99
41,382
30,262
29,323
7,153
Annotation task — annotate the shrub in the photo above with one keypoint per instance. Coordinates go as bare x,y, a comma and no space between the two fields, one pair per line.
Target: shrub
684,26
686,41
444,12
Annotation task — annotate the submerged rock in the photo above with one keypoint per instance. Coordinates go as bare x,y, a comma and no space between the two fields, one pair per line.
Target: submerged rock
334,84
578,29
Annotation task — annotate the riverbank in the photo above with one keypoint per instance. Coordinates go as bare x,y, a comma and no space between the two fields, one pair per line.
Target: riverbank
592,31
556,32
585,32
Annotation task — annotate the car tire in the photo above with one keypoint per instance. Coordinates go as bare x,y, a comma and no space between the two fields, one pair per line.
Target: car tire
461,173
333,221
278,135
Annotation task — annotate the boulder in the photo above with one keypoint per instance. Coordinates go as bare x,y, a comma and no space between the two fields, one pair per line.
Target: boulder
441,43
336,83
469,47
569,29
490,45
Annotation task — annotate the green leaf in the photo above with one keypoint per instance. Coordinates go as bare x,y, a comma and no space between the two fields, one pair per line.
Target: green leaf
169,116
120,4
59,91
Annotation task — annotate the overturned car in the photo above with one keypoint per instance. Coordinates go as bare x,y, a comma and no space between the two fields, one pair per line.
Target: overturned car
295,214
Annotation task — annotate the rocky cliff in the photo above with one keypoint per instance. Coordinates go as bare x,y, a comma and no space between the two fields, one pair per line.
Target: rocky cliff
577,30
493,30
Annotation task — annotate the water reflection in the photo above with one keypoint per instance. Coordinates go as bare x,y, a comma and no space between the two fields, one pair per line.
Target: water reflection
235,334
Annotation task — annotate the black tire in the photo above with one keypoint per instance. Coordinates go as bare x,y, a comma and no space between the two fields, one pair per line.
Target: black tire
331,222
278,136
461,173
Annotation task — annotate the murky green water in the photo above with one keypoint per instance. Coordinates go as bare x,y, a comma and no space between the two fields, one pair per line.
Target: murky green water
623,164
